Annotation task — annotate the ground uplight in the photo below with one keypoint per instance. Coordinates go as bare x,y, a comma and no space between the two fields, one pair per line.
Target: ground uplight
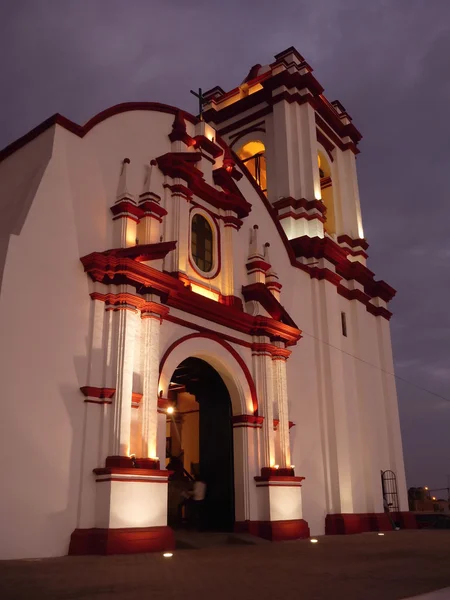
313,541
168,554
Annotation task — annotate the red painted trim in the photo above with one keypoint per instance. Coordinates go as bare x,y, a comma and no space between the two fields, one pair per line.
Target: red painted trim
179,164
110,270
270,474
82,130
290,202
201,329
227,347
345,523
149,467
258,292
257,264
201,141
124,299
354,243
218,245
293,80
154,210
275,531
121,541
302,215
136,397
250,420
315,247
143,252
97,392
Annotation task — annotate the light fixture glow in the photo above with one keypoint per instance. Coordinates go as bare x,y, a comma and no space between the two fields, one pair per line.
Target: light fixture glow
276,466
434,497
426,487
168,554
292,466
170,410
381,534
313,541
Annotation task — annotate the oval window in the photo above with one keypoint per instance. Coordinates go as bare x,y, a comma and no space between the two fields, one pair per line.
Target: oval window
202,243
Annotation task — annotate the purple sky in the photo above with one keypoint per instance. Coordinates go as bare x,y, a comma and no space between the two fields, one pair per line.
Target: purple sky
387,61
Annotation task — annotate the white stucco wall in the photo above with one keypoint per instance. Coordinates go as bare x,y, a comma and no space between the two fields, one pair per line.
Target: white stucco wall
340,407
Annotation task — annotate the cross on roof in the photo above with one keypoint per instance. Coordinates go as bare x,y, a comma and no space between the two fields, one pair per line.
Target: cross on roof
201,101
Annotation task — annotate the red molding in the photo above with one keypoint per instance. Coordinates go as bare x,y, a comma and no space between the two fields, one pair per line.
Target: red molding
275,531
126,300
82,130
327,248
227,347
97,392
297,81
121,541
201,141
302,215
249,420
127,210
258,292
290,202
217,234
269,474
124,465
179,164
202,329
110,269
271,349
143,252
354,243
346,523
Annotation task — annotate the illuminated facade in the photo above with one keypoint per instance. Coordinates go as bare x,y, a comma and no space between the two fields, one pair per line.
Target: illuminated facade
217,268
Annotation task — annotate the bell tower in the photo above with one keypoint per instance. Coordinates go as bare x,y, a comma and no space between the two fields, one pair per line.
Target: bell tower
299,147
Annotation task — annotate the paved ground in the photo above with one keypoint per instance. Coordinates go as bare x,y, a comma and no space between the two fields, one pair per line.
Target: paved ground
362,567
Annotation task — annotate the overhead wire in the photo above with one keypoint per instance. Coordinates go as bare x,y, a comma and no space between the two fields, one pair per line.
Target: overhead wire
419,387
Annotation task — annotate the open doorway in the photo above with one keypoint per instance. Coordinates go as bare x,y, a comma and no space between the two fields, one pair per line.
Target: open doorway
199,444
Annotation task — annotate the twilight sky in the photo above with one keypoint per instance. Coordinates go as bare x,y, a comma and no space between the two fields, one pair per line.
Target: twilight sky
387,61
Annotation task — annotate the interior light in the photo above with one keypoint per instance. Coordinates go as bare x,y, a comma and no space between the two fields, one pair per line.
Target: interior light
292,466
313,541
168,554
276,466
381,533
170,410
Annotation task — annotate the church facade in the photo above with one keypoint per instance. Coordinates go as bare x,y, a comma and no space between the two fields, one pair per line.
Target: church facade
186,298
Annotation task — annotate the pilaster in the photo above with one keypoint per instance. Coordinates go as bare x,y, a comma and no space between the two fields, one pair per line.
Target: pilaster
126,322
263,376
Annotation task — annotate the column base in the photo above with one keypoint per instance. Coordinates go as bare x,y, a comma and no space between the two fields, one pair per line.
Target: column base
275,531
347,524
121,541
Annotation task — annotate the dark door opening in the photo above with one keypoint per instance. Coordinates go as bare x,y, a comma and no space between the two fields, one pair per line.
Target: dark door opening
200,444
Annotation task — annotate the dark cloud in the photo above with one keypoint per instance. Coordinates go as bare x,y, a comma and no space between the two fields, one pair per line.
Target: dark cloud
388,62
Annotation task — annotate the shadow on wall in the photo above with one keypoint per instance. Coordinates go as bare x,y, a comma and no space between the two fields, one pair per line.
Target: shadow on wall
20,177
63,522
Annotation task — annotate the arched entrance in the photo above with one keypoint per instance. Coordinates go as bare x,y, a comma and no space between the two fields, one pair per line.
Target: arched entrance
199,440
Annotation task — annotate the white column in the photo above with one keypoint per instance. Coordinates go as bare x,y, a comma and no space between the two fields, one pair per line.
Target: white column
262,368
151,322
391,410
281,397
306,141
126,333
227,258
